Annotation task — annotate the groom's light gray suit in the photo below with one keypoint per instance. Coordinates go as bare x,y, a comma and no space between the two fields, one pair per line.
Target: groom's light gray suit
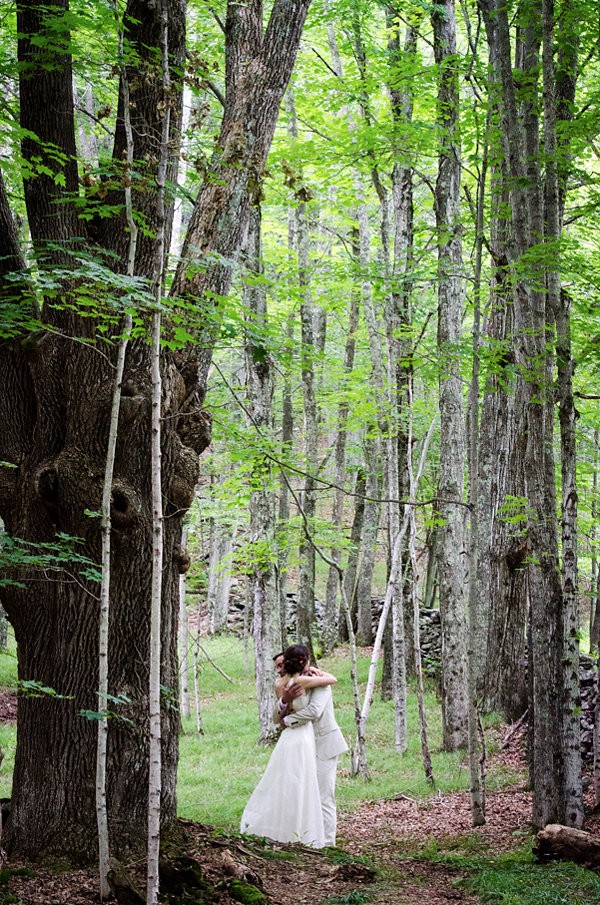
329,744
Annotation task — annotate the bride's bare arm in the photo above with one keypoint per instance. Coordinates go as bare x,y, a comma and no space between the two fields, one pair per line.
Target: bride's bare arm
316,681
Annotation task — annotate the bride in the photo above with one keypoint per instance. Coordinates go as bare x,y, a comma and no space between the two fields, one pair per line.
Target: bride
286,805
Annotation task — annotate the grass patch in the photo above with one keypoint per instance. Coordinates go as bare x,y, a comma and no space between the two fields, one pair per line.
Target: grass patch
6,874
349,898
8,664
513,878
8,743
8,733
339,856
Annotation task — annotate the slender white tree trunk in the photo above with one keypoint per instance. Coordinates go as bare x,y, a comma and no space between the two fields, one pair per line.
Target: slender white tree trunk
177,228
368,539
412,547
305,609
558,306
222,538
477,617
196,657
154,779
103,650
184,660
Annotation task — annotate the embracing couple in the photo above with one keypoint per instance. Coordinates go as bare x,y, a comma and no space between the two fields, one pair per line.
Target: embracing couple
295,799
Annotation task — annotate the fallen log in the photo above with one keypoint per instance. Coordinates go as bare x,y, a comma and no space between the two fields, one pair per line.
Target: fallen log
568,844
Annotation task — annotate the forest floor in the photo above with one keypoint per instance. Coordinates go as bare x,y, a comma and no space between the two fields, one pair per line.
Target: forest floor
378,860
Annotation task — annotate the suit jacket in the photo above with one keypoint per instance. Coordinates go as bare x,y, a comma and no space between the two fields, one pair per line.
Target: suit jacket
329,741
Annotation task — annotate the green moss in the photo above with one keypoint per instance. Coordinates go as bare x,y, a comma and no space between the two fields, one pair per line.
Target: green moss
246,893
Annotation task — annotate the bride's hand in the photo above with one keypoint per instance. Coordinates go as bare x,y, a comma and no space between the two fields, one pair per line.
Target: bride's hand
293,691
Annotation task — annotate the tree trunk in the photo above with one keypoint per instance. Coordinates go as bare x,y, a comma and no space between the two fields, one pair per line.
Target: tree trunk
337,514
219,574
399,300
477,606
103,649
368,543
351,571
305,609
452,546
501,578
267,628
430,589
56,419
559,97
287,440
416,639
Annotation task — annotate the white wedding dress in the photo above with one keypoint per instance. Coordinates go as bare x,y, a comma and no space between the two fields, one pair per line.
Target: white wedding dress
286,805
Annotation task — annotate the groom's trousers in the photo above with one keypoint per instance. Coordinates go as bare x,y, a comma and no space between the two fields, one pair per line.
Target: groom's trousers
326,773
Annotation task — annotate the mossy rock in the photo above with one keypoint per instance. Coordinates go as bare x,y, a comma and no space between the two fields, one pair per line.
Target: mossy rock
246,893
182,881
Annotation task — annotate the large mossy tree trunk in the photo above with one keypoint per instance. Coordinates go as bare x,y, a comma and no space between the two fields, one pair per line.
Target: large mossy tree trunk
56,410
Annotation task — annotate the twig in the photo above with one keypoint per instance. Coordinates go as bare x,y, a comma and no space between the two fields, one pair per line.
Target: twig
216,91
513,730
218,668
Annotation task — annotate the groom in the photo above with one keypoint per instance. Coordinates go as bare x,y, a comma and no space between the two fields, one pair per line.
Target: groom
329,741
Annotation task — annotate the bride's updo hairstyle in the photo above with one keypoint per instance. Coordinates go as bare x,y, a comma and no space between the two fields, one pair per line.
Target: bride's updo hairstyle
295,659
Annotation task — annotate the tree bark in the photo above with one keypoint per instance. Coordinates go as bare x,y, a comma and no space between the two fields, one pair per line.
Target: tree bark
399,300
368,542
501,577
221,539
337,513
559,96
452,546
351,571
263,590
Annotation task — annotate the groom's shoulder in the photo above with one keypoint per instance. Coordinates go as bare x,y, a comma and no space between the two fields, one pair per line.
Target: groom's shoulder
323,691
